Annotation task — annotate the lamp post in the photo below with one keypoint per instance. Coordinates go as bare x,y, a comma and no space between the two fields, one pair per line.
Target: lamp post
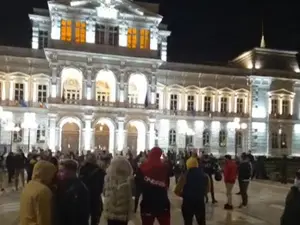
189,133
11,127
238,126
29,125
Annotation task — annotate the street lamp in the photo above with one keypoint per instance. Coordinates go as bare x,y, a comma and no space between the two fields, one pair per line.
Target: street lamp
29,125
238,126
11,127
189,133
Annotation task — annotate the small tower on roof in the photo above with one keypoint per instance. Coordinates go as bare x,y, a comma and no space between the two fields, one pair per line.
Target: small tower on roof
262,40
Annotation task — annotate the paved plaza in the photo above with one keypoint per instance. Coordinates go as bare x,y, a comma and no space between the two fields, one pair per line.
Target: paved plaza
266,203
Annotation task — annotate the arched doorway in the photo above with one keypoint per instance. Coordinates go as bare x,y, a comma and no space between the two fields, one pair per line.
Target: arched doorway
71,85
132,138
70,137
102,136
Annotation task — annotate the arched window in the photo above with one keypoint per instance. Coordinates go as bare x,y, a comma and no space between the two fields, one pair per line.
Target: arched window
222,138
132,94
41,134
239,139
274,140
283,140
206,138
102,91
172,137
71,90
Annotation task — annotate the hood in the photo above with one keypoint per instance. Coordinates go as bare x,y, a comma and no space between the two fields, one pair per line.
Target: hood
192,162
155,154
44,172
120,166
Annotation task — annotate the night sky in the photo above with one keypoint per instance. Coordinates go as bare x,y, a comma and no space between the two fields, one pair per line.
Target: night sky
202,30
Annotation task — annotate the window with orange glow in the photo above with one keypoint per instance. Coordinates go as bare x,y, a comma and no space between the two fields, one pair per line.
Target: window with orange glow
66,30
144,39
131,38
80,32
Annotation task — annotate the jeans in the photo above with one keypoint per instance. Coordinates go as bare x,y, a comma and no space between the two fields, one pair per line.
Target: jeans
191,209
243,189
229,187
19,173
163,218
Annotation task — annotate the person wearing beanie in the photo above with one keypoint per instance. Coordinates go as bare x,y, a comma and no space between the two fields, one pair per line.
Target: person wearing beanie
192,187
155,203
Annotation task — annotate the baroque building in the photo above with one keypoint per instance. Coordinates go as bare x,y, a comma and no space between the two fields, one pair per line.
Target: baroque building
97,77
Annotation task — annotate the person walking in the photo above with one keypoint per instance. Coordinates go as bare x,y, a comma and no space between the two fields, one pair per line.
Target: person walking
230,174
244,176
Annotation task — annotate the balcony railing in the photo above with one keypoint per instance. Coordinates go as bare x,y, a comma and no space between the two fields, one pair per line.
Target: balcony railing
281,116
202,114
104,49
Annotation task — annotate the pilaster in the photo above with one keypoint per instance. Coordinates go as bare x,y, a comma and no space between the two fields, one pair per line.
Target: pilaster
123,29
35,36
90,31
52,141
55,30
154,38
151,133
54,81
87,132
296,101
121,87
120,141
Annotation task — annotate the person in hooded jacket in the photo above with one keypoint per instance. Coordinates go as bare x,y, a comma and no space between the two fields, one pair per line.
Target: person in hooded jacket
155,202
292,204
36,197
230,175
192,187
93,177
118,203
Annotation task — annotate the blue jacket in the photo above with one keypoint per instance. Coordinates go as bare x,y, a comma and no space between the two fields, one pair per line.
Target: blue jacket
195,185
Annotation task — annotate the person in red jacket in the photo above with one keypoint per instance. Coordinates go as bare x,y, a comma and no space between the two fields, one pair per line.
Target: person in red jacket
230,174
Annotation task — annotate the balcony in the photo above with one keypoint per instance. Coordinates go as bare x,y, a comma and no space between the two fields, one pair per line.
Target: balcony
202,114
277,116
104,49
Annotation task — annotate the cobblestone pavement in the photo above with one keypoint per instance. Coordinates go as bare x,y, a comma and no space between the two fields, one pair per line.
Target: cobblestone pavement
266,203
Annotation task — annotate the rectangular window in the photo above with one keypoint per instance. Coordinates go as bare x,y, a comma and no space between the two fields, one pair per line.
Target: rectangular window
43,39
223,108
173,102
285,107
190,103
19,91
107,35
157,101
42,93
144,39
207,104
239,105
131,38
41,134
274,106
66,30
80,32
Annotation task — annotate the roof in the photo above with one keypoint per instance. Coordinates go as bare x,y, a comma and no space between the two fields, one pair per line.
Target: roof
271,59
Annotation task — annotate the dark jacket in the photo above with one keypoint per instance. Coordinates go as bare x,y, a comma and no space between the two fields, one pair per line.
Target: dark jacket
292,207
195,186
209,167
72,203
244,171
20,161
93,177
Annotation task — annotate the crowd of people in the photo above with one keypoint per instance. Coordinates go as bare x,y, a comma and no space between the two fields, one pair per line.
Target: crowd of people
78,189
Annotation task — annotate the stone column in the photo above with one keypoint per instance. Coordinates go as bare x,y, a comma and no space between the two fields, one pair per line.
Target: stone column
54,82
89,84
87,132
120,140
52,141
121,94
151,133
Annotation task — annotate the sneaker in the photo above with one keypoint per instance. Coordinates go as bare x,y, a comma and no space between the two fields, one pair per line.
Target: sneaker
228,207
214,201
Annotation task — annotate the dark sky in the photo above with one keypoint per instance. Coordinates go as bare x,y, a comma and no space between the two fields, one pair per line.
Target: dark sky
202,30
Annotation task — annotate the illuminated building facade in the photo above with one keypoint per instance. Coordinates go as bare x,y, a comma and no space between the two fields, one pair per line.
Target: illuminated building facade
97,77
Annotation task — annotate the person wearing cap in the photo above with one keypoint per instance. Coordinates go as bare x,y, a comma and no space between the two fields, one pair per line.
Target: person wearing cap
292,204
192,187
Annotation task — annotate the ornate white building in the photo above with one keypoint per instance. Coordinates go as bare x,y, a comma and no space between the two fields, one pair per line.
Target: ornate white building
97,77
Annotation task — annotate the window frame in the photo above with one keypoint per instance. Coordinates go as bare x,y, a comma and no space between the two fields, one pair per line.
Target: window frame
66,30
172,137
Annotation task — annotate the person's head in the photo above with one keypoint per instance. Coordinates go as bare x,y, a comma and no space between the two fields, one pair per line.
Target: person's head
67,169
44,172
227,157
119,167
91,158
192,162
155,154
244,156
205,157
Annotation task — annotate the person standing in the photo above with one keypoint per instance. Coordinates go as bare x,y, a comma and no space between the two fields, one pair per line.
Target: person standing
20,162
192,187
155,174
230,174
36,197
118,203
244,177
72,196
93,177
